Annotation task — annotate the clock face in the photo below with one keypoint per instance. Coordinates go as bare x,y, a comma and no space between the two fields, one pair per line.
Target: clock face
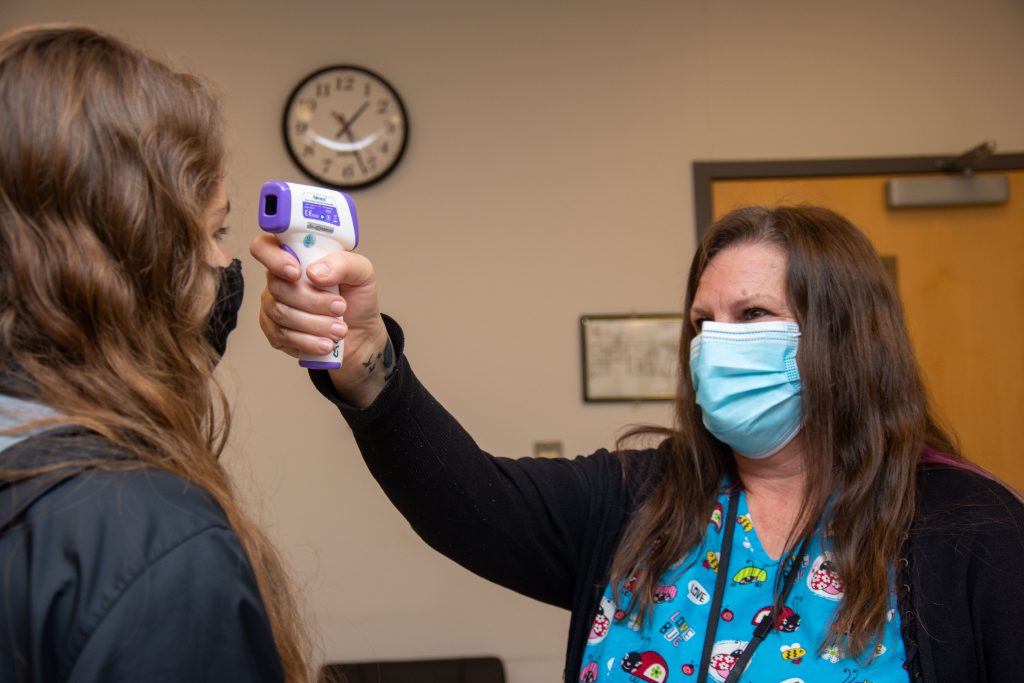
345,127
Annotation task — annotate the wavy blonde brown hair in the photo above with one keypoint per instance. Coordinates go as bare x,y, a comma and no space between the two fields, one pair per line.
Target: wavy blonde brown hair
866,420
108,160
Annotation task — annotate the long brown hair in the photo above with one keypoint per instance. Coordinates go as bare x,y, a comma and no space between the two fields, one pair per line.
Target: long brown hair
108,160
866,420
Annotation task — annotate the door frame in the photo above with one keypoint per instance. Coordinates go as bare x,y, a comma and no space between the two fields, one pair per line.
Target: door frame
706,172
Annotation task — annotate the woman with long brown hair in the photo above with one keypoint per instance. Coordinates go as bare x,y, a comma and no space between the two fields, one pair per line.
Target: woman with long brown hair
806,519
126,553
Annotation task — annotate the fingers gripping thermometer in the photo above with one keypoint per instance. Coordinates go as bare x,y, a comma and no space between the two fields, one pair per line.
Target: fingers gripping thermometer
310,222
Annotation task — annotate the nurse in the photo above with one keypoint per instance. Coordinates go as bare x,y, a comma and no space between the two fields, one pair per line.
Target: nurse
805,519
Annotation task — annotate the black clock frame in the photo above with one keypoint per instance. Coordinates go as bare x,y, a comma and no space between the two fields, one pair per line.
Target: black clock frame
298,162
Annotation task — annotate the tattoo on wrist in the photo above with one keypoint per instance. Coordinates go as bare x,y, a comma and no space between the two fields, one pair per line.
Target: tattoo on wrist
370,364
386,358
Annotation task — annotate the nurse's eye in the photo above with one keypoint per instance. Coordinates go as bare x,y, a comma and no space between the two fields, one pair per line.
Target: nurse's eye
698,324
755,313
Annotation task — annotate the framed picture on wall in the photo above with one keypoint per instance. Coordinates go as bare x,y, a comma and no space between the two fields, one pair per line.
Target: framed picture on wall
630,357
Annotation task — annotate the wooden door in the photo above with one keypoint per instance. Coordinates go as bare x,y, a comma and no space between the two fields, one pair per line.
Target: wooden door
960,274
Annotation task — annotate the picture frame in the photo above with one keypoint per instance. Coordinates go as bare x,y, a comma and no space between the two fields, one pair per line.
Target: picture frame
630,357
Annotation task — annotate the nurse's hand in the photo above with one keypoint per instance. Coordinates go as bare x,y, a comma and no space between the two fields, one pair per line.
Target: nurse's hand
297,318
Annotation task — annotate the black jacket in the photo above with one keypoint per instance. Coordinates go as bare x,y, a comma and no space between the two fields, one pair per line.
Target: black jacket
122,576
548,528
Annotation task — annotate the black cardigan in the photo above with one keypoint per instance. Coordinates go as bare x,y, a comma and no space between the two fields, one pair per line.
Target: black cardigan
548,528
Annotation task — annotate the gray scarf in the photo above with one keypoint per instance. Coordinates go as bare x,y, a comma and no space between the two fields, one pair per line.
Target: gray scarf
15,412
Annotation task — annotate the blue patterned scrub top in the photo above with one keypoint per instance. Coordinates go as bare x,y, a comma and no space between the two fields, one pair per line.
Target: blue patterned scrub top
668,648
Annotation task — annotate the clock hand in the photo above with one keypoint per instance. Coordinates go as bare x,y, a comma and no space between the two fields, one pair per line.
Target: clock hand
355,148
347,130
346,125
355,152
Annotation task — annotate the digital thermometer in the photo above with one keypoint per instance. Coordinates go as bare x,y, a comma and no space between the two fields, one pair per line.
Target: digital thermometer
309,223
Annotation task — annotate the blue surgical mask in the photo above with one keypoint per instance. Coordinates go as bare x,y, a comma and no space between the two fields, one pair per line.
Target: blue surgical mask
747,384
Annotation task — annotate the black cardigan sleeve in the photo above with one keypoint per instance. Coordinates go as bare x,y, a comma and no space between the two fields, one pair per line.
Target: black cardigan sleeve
535,525
968,578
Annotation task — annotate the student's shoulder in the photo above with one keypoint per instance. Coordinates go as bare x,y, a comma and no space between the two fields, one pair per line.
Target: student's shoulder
149,490
115,550
132,504
103,510
93,479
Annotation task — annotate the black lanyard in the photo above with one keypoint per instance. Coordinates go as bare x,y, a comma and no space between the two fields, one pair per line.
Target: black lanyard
765,626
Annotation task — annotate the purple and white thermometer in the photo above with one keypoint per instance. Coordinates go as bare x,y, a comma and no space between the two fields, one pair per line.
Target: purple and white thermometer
310,222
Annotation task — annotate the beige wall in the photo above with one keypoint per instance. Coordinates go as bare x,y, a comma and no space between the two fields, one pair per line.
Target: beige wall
548,176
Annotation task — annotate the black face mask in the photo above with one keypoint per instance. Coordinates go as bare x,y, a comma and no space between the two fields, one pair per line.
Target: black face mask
224,315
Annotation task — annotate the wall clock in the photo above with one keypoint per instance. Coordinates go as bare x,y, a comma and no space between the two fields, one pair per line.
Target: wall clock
345,127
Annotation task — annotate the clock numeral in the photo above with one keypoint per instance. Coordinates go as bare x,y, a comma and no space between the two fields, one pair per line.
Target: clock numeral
366,89
301,127
308,103
344,83
323,89
348,172
382,106
385,148
371,164
308,151
327,165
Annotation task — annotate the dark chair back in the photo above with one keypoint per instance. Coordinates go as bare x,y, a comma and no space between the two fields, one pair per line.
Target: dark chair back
462,670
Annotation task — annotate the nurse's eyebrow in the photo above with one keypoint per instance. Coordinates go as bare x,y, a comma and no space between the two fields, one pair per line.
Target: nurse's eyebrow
759,298
756,298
